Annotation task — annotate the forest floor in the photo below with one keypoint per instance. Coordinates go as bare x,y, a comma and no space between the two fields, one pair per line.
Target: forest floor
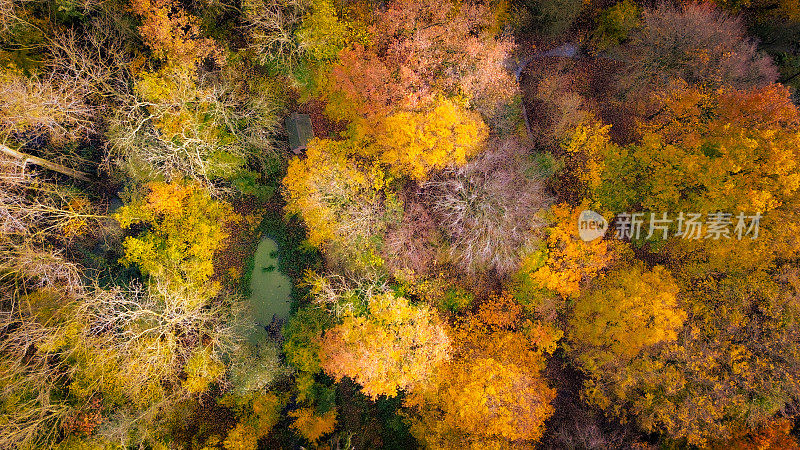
322,125
231,262
591,78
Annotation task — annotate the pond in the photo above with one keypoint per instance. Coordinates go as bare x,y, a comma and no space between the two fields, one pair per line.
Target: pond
270,291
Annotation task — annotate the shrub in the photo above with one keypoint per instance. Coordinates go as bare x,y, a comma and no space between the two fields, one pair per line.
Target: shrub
552,17
615,24
256,367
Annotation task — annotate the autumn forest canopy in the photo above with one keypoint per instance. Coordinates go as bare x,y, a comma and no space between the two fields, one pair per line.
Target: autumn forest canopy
557,224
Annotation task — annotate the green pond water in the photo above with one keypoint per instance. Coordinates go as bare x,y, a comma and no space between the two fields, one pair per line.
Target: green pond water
270,290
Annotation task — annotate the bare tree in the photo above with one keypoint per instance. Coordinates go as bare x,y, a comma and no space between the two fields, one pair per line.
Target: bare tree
97,59
272,25
205,127
157,328
337,293
33,209
489,208
61,333
11,15
43,107
695,42
416,242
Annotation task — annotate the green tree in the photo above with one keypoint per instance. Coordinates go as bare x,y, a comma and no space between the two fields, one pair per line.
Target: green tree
615,23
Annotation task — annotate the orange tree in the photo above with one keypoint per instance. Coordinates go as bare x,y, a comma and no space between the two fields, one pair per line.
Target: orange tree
492,392
420,48
393,346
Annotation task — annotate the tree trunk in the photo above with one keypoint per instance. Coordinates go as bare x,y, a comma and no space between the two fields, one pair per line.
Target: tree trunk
44,163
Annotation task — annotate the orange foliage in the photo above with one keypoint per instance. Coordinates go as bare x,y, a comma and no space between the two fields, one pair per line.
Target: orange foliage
775,435
420,48
85,420
170,32
490,394
565,261
311,425
684,118
499,312
394,346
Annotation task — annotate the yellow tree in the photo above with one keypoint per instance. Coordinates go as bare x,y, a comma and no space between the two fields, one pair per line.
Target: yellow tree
715,152
624,312
585,150
186,228
258,413
311,425
706,151
346,203
393,346
732,366
730,370
414,143
564,262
